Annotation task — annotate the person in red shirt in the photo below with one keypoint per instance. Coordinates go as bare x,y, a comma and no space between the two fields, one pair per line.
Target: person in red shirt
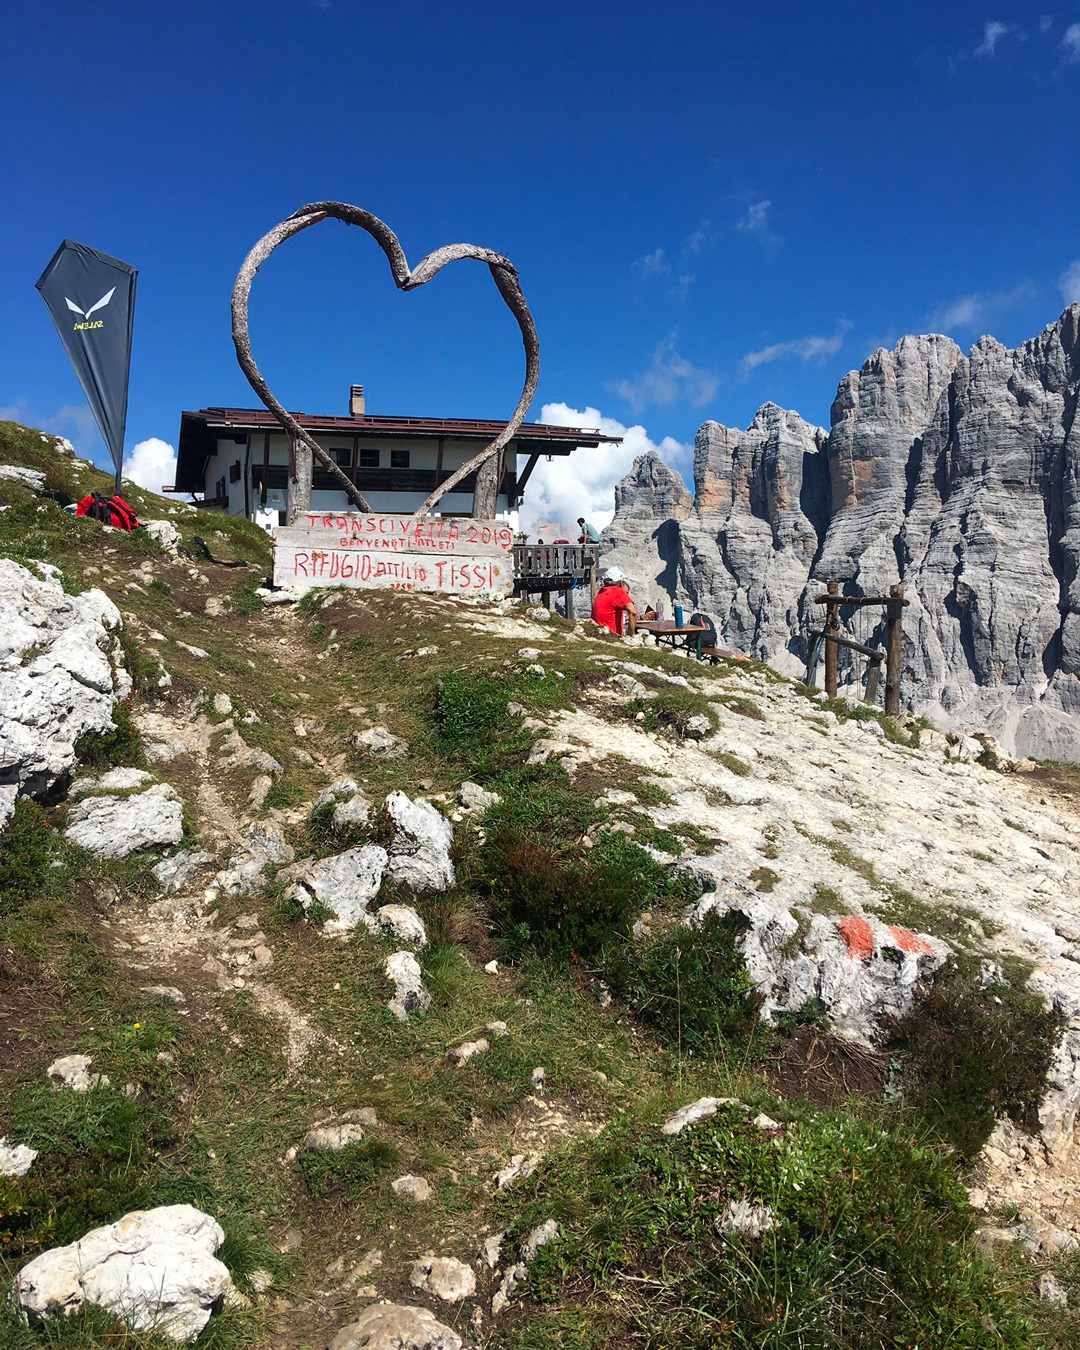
611,596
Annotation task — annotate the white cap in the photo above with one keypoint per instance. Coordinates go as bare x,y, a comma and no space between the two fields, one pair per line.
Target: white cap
613,574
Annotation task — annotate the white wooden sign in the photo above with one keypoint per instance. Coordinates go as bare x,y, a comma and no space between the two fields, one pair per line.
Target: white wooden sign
367,551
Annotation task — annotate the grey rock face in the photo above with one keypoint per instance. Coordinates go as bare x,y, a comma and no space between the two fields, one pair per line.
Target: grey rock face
957,475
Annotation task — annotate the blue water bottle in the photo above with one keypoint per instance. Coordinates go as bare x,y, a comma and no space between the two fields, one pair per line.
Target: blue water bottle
678,616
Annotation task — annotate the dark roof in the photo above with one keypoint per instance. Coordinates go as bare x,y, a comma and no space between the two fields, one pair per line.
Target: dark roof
199,432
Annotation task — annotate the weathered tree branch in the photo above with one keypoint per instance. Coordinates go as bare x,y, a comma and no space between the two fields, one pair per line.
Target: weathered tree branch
503,273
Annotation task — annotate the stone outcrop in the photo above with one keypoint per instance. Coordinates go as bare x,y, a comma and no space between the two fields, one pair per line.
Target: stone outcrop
60,675
155,1268
957,475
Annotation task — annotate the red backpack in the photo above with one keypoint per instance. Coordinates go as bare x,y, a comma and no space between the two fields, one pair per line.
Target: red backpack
109,510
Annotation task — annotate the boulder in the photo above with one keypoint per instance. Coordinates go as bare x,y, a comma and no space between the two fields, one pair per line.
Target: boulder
345,884
413,1188
113,827
332,1138
444,1276
164,533
403,923
60,675
73,1071
33,479
154,1268
396,1326
863,971
403,971
380,743
420,852
16,1159
116,780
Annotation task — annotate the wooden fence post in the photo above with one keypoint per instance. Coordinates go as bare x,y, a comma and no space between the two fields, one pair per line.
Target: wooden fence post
894,624
832,651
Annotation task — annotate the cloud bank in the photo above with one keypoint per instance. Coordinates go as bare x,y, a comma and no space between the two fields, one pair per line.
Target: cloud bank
151,464
583,483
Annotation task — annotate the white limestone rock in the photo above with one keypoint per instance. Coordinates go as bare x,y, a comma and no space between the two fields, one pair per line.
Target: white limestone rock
403,971
444,1276
346,884
417,1189
403,923
396,1326
332,1138
380,743
60,674
154,1268
864,971
261,843
113,827
73,1071
420,852
15,1159
116,780
166,534
459,1055
33,479
475,798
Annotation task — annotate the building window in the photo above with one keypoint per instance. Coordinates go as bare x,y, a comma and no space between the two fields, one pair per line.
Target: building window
369,459
399,459
341,455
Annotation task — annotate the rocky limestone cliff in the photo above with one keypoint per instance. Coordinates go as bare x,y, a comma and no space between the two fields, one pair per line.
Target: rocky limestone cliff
958,475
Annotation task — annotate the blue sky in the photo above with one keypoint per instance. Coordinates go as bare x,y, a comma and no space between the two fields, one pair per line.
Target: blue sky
710,205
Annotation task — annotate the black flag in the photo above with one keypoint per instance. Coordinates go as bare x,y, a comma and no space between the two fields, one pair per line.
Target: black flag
91,298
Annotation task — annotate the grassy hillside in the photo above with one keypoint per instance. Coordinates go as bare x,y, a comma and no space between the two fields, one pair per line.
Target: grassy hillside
214,1082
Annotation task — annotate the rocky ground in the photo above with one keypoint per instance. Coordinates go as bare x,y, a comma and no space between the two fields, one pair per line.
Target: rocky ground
277,968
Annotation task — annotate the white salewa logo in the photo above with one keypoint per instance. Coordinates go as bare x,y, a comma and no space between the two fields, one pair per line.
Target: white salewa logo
87,312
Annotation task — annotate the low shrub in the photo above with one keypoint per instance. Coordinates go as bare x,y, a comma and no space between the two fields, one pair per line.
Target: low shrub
28,848
869,1244
690,984
552,896
969,1055
671,708
110,749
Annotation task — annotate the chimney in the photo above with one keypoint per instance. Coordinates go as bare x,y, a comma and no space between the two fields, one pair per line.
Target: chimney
356,400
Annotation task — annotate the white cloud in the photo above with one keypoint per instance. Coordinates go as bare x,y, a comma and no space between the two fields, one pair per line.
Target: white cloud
806,349
1070,44
655,264
979,309
993,31
1046,22
583,483
755,220
697,241
669,379
151,464
1070,283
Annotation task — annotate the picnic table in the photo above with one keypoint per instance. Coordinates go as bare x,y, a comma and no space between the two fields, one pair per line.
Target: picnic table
667,631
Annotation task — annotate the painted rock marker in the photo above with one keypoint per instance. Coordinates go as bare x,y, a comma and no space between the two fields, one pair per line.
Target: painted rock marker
373,551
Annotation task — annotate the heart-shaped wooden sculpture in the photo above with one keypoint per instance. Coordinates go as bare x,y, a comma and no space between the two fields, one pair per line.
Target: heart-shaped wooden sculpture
406,279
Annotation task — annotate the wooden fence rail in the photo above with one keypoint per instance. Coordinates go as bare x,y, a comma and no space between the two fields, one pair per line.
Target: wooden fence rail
833,601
